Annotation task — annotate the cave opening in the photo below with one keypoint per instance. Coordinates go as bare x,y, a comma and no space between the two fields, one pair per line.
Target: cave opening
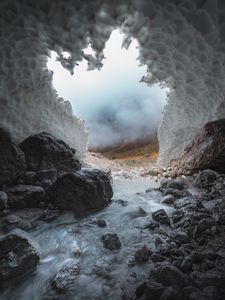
121,112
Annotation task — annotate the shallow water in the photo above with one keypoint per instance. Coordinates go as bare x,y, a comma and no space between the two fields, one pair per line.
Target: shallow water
104,274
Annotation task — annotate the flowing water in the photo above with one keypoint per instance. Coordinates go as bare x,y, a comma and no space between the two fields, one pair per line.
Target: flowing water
104,274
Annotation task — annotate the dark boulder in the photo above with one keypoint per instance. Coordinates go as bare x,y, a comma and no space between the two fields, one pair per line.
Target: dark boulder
82,192
161,217
65,277
19,255
24,196
43,151
142,255
206,179
12,160
206,151
111,241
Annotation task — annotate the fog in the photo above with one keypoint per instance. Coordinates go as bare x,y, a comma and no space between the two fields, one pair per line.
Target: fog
114,104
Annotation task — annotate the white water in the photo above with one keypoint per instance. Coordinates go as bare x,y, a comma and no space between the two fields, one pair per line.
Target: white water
104,274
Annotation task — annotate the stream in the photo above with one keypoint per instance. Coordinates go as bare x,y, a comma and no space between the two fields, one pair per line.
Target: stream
104,274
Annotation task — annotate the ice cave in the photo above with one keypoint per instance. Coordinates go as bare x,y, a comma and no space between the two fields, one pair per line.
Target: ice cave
77,229
181,42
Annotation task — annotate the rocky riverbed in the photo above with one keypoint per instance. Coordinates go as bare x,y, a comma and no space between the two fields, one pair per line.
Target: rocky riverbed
71,234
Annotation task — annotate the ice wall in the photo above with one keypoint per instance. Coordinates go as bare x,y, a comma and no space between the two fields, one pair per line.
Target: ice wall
181,41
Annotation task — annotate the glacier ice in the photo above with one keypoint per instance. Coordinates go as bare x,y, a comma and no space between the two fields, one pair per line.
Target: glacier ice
181,42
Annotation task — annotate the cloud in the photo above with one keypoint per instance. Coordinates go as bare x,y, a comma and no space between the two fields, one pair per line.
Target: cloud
115,105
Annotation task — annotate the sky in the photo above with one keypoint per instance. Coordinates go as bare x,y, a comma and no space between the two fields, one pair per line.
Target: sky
114,104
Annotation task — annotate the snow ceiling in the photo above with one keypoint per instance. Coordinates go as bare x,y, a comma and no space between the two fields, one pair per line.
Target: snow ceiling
181,41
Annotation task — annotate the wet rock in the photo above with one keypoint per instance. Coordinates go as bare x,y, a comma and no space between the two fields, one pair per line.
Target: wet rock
155,257
181,237
142,255
100,223
82,192
153,290
202,228
29,178
177,215
139,212
111,241
152,225
175,192
19,255
169,275
161,217
175,184
168,199
12,160
3,200
65,277
205,179
12,221
23,196
43,152
121,202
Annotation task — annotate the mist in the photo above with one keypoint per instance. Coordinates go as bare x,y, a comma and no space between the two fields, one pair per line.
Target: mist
115,105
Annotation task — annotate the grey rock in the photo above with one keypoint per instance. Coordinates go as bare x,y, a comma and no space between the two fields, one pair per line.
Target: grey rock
181,237
82,192
65,277
205,179
12,221
177,215
169,275
174,184
142,255
12,160
168,199
24,196
3,200
19,255
43,152
100,223
157,257
111,241
161,217
175,192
